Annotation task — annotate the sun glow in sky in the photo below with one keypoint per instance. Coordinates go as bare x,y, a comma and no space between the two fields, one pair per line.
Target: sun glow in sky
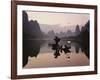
56,18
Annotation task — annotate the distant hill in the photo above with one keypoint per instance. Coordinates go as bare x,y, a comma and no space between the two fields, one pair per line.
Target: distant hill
56,28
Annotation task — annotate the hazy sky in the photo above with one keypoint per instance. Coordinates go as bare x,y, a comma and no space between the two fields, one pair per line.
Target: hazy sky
62,19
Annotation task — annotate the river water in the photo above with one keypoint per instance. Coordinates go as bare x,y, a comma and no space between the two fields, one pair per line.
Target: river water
41,54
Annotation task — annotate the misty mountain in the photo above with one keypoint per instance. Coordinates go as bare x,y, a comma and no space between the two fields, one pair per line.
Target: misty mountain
31,29
61,31
56,28
84,36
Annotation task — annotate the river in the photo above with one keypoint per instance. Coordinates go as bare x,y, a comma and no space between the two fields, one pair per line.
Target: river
41,54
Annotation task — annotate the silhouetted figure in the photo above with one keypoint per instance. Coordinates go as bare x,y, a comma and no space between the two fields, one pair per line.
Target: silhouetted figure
57,39
59,48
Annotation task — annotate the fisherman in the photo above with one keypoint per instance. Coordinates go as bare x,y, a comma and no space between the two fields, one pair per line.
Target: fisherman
57,39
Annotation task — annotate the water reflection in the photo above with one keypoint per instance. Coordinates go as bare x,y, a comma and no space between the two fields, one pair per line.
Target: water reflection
85,49
58,49
30,48
33,48
77,48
